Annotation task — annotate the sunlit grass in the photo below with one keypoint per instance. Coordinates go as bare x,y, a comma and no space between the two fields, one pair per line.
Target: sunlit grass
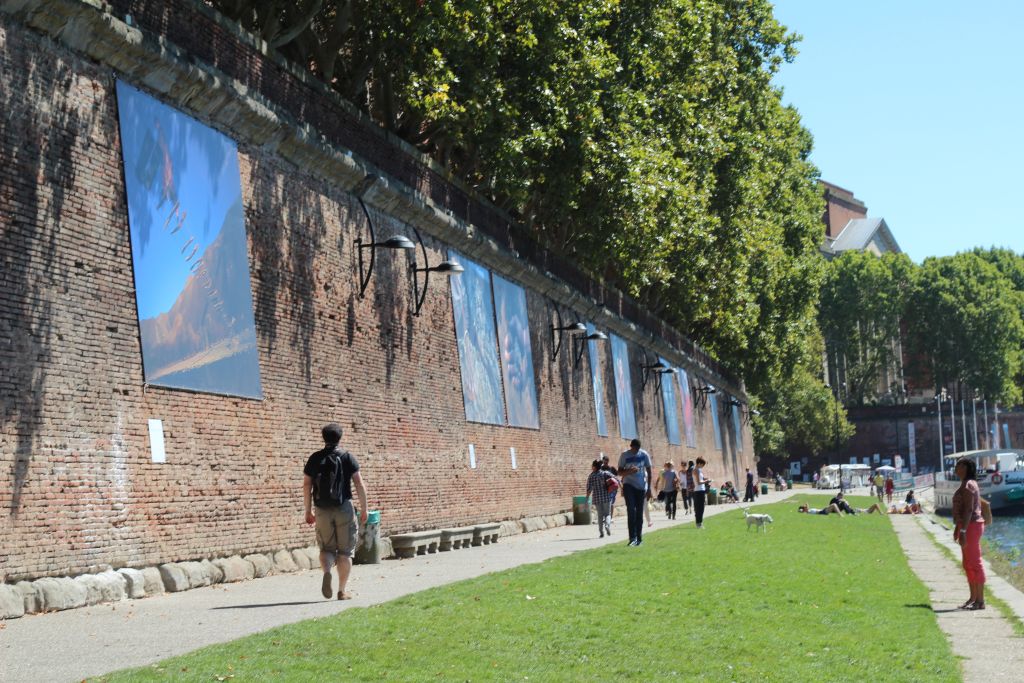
815,599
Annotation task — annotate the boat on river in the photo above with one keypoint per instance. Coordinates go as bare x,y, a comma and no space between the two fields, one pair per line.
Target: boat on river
1000,478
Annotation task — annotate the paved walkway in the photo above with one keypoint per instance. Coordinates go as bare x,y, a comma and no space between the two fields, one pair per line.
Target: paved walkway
984,640
72,645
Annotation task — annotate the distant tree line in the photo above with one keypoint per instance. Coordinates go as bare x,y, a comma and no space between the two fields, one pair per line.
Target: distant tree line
961,317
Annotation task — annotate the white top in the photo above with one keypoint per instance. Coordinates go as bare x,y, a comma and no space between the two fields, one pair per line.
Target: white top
698,480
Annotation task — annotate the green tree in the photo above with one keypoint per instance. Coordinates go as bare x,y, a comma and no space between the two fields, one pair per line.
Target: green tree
965,319
862,303
641,138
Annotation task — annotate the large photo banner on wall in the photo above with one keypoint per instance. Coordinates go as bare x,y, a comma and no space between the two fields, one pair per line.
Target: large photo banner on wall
189,250
516,353
715,424
623,388
668,398
478,343
687,399
737,425
596,382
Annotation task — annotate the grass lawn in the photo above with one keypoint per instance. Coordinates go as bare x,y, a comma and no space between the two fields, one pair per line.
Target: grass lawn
816,599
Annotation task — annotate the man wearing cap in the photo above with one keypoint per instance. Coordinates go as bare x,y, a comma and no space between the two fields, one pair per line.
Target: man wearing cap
327,481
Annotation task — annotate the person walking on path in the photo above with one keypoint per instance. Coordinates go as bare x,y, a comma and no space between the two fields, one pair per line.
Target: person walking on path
614,492
968,527
889,486
748,494
668,488
879,483
635,469
700,492
686,487
327,482
597,489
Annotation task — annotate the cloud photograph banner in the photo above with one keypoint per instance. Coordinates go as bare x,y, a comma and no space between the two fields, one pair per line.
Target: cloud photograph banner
478,343
516,353
623,388
189,250
687,399
596,382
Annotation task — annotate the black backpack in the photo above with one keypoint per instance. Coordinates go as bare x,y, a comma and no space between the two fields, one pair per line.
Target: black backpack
330,481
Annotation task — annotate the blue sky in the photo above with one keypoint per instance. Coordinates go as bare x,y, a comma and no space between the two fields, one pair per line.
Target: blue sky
918,108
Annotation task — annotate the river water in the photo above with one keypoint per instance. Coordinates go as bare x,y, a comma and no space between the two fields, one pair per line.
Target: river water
1006,533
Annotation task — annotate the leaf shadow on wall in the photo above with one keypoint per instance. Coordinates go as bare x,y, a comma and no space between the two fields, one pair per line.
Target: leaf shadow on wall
287,226
33,146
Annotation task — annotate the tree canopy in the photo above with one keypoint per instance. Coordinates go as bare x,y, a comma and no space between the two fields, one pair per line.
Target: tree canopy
643,139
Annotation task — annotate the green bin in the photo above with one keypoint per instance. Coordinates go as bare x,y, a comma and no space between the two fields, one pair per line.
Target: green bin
580,510
712,496
764,489
789,484
368,545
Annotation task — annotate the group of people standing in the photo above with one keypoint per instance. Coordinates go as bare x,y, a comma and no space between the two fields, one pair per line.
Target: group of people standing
633,476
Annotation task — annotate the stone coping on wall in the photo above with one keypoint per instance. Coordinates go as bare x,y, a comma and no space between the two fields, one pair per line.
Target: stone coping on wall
56,593
152,62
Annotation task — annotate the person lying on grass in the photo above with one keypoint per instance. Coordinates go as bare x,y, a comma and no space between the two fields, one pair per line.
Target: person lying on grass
832,508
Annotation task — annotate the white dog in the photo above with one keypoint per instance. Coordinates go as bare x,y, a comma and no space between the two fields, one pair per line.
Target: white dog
762,521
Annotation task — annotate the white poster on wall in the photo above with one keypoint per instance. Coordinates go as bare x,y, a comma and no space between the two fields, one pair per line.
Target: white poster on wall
156,441
512,452
472,457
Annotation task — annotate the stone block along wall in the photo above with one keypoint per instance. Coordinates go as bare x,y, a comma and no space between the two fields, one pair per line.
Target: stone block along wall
78,486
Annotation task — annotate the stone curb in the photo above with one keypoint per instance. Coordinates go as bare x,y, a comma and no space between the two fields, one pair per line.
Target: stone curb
50,594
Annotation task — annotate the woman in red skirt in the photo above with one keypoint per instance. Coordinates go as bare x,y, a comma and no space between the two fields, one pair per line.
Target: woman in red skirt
968,526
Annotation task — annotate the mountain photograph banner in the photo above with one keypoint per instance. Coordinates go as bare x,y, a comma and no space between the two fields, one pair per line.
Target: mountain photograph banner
189,251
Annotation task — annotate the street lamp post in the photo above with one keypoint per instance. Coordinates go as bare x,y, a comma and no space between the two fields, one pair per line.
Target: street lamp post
974,414
952,421
963,422
988,440
939,397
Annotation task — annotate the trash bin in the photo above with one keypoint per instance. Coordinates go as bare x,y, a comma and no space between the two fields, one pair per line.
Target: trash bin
368,547
712,496
789,484
764,489
580,510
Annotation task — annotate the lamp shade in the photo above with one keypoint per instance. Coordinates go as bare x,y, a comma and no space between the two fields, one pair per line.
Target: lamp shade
397,242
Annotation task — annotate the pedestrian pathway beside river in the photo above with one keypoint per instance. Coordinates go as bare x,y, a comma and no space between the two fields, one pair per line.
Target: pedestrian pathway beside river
984,640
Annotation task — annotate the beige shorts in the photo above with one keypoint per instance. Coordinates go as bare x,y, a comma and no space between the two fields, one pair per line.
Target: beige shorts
336,529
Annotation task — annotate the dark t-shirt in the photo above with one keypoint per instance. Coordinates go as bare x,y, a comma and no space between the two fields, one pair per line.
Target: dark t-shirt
349,466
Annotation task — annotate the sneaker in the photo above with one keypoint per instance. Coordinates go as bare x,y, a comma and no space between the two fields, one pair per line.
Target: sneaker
602,535
638,543
325,587
631,542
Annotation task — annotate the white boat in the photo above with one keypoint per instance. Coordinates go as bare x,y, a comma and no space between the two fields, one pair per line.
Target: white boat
854,476
1000,478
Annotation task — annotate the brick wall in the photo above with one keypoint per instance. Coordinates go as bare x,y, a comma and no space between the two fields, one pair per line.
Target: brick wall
76,481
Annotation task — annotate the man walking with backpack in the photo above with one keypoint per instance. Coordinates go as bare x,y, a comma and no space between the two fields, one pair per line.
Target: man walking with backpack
327,483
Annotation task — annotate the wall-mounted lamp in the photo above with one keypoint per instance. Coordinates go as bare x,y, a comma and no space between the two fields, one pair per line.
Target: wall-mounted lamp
394,242
658,368
701,392
443,268
580,341
733,401
574,329
748,412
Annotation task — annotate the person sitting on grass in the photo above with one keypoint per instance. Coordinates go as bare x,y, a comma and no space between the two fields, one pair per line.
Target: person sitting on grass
840,502
831,509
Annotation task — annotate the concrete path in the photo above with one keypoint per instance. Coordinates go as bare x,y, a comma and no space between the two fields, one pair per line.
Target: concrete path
984,640
72,645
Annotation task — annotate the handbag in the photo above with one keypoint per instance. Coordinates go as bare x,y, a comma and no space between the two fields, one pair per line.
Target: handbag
986,511
661,496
